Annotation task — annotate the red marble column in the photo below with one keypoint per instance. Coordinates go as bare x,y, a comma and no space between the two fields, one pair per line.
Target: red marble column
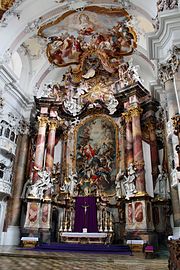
129,139
18,181
51,145
40,145
64,158
137,150
122,144
153,148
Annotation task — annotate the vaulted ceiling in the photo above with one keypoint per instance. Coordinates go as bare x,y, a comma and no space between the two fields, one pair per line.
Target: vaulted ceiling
20,24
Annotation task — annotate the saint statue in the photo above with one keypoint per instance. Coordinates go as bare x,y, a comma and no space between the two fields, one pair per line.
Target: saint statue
129,181
161,188
120,192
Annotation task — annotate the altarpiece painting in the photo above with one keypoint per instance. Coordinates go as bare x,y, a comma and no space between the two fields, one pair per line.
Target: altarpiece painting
96,155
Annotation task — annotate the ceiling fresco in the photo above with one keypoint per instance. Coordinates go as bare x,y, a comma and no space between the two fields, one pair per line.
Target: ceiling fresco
76,36
89,43
88,37
94,43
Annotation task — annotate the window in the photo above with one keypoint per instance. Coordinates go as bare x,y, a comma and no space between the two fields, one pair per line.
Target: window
1,130
7,132
2,167
12,137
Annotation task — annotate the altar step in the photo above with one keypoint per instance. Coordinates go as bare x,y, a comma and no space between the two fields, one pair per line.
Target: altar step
92,248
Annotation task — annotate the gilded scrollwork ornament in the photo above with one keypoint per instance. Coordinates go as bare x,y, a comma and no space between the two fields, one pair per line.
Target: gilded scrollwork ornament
5,4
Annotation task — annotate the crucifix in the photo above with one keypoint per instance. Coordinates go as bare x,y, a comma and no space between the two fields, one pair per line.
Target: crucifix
85,206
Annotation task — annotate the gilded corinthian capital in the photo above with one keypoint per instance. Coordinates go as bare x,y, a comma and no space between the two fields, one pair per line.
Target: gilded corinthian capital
43,120
150,124
127,117
176,124
135,111
52,124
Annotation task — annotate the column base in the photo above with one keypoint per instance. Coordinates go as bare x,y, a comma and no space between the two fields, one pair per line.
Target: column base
139,214
149,237
12,237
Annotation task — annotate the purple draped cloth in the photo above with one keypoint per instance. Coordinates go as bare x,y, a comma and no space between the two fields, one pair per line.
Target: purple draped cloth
85,214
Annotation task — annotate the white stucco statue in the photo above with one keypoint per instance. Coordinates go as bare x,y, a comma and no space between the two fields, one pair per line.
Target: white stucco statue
129,182
70,184
40,186
120,192
162,186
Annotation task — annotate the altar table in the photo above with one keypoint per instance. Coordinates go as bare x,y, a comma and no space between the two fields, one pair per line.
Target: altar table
84,238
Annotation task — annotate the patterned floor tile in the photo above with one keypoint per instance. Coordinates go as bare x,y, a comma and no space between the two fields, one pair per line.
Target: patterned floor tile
12,259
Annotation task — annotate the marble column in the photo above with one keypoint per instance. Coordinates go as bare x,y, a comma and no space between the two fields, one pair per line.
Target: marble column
175,193
18,181
177,81
51,145
122,143
129,139
137,149
14,210
64,158
150,124
40,145
171,99
168,75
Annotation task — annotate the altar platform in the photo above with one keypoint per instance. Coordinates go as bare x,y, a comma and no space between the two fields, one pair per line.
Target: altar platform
84,248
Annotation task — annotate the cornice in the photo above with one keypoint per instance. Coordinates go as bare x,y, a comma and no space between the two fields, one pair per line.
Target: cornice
12,87
161,42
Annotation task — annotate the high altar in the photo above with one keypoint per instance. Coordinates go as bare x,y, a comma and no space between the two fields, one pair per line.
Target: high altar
94,162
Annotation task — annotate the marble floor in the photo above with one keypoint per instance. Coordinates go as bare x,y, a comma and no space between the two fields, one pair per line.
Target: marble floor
13,259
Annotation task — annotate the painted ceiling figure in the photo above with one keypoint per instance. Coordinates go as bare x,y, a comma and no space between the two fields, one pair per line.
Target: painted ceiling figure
86,26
